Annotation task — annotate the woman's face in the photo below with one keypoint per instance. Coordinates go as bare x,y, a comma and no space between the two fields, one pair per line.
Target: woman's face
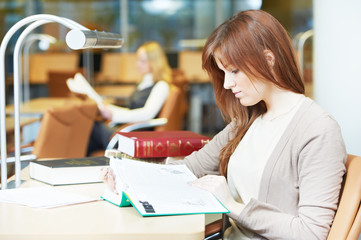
249,92
143,65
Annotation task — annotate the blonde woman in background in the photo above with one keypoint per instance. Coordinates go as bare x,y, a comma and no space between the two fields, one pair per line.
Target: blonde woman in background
151,93
146,101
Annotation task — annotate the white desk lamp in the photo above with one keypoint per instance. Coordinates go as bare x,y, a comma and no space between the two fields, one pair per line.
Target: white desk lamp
44,41
91,40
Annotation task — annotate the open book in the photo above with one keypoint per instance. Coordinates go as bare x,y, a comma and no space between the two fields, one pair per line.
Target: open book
155,190
79,84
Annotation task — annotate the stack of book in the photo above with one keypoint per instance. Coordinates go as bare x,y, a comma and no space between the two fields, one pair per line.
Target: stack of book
155,147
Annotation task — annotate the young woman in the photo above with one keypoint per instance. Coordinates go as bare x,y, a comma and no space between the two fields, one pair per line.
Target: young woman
278,165
281,158
145,102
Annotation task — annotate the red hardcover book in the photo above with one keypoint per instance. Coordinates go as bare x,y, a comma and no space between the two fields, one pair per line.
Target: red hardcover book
152,144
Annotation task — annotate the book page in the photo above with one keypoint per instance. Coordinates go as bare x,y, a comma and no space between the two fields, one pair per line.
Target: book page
164,189
79,84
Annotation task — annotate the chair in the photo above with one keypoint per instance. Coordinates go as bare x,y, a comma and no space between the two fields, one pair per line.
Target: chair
173,111
57,83
54,132
64,132
84,117
214,230
347,221
170,116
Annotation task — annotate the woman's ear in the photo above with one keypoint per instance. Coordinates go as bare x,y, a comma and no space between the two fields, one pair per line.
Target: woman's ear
270,57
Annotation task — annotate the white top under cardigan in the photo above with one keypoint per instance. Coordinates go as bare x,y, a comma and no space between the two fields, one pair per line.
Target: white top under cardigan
152,106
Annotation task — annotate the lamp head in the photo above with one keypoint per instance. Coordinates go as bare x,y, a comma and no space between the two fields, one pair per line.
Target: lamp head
82,39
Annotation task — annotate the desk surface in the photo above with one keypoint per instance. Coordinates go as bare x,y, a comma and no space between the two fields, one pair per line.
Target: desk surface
37,106
9,122
92,221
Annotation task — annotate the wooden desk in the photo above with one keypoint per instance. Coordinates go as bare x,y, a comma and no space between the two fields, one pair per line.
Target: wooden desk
92,221
9,121
37,106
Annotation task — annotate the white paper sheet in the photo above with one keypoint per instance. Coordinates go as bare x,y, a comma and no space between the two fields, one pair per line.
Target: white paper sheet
42,197
79,84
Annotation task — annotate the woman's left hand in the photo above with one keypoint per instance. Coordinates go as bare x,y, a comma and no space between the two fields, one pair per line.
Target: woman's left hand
218,186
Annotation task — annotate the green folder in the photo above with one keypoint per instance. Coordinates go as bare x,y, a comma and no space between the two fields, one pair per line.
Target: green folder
159,190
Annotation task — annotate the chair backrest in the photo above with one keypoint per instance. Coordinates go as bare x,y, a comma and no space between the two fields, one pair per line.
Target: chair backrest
54,133
65,131
347,222
81,128
174,109
57,83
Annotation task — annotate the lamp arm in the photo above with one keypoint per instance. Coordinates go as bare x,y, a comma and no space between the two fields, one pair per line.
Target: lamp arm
74,24
25,74
24,65
68,23
25,50
17,74
17,52
106,39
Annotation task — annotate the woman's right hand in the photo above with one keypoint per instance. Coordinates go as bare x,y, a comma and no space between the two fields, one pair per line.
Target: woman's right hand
107,176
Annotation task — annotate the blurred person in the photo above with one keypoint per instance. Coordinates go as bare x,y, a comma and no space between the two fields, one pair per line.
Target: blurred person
146,101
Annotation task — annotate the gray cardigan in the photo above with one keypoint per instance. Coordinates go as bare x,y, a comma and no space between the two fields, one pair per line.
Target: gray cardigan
301,182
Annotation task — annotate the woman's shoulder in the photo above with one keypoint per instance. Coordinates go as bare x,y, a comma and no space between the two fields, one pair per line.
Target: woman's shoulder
312,116
312,111
161,82
162,85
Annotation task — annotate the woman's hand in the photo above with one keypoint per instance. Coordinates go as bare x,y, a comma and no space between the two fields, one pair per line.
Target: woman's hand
218,186
105,112
107,176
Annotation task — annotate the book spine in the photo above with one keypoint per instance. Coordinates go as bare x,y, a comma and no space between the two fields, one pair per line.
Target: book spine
167,148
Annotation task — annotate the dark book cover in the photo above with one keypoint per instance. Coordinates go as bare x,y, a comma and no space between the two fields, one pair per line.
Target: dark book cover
75,162
69,170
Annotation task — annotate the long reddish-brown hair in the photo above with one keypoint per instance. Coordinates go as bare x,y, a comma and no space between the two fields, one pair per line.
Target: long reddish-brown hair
241,42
